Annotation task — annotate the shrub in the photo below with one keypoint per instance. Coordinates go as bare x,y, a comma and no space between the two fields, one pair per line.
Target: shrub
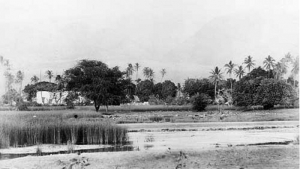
200,101
22,106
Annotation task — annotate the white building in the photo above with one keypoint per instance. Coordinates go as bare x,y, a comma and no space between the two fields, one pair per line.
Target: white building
45,97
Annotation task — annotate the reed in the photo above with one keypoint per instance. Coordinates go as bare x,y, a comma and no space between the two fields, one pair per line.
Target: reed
26,129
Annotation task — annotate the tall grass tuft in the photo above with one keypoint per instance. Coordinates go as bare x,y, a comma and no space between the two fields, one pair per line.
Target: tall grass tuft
26,129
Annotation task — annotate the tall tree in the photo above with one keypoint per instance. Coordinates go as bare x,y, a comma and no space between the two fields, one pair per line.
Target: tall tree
49,75
94,80
239,72
146,72
269,64
215,77
137,67
151,74
34,79
280,69
129,70
19,79
229,67
8,86
249,62
163,72
295,69
59,81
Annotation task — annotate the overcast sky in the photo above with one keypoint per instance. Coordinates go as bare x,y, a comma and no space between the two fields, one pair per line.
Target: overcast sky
186,37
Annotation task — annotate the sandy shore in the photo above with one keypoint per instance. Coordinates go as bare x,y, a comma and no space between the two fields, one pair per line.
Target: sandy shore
283,156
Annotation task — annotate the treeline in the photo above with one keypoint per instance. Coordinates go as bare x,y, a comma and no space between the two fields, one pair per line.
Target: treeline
105,86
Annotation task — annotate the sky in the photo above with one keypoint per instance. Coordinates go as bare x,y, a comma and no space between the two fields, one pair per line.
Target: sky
188,38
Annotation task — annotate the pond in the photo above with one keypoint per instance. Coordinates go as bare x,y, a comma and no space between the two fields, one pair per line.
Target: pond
194,137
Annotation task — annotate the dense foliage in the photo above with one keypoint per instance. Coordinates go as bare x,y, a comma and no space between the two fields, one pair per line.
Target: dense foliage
145,90
257,89
200,101
271,92
94,80
194,86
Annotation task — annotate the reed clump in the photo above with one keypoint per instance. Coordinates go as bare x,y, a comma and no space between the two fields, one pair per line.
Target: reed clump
26,129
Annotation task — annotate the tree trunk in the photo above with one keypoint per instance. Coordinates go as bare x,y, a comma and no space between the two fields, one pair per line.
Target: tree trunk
215,91
97,106
106,108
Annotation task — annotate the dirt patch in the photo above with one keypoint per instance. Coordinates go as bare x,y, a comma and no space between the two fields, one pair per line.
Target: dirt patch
284,156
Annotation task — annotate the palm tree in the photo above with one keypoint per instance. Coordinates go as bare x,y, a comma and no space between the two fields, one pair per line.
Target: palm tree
136,67
229,67
249,62
19,79
215,77
163,72
146,72
239,72
151,74
35,79
49,74
269,64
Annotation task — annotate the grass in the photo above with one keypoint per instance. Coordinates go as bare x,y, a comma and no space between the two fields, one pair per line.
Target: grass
139,108
59,127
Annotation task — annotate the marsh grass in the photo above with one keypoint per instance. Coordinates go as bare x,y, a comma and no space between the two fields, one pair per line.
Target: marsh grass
26,129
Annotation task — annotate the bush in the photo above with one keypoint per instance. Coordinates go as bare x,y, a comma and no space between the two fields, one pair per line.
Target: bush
22,106
200,101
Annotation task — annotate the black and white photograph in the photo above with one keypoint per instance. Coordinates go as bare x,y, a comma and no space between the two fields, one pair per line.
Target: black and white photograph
149,84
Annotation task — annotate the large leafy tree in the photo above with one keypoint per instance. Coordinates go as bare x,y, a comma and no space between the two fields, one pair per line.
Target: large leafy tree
168,89
157,90
271,92
94,80
239,72
244,91
215,77
229,67
145,90
194,86
269,63
249,62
